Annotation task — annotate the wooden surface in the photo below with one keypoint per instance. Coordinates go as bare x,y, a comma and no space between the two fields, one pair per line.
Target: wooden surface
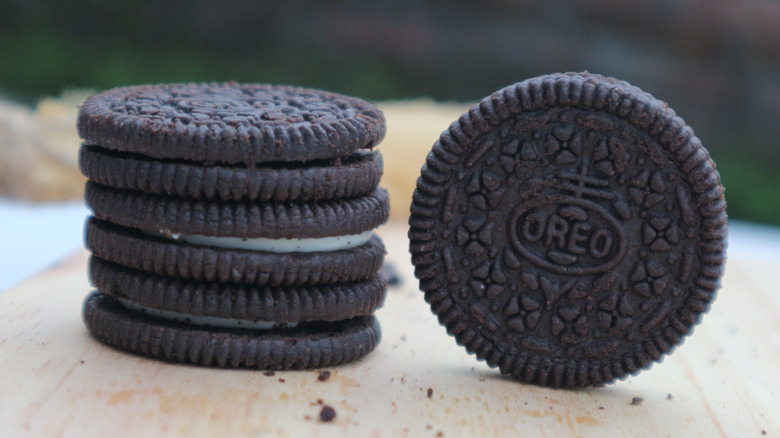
58,381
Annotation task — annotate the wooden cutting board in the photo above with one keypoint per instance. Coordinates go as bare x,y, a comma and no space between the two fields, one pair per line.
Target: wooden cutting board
58,381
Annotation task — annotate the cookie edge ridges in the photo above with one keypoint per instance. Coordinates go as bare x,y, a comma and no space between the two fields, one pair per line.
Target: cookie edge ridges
280,304
173,342
169,215
593,92
133,249
127,171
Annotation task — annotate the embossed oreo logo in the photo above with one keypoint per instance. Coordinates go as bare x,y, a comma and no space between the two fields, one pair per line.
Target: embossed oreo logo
570,236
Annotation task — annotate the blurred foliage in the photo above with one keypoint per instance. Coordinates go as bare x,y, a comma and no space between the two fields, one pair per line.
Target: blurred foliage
716,62
752,183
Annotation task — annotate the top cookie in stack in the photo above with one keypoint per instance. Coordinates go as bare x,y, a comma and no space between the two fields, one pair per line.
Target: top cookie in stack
233,223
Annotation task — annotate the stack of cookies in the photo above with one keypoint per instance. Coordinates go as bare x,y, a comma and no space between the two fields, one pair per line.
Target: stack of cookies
233,224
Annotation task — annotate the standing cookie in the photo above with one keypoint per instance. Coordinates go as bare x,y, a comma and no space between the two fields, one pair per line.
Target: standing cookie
569,230
233,224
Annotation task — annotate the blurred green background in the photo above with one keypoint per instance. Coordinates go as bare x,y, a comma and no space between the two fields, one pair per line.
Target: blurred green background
717,62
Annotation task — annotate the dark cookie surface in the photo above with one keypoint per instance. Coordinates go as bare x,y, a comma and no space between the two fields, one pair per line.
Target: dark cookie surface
169,215
569,230
306,346
134,249
230,122
355,175
277,304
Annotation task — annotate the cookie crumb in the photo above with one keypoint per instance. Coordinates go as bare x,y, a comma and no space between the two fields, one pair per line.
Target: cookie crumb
669,396
269,373
430,392
327,414
636,401
440,434
324,375
281,380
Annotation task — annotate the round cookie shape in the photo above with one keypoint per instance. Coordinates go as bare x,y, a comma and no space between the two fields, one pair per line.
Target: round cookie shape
569,229
303,347
230,122
290,304
347,177
274,220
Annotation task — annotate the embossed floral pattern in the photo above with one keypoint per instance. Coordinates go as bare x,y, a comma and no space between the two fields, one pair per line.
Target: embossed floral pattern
650,277
647,188
605,157
489,280
524,312
485,190
564,145
660,233
508,157
616,312
475,233
569,324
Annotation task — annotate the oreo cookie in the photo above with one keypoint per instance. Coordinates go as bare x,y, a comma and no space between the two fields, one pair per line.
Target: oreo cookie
230,123
176,257
347,177
271,220
569,229
275,304
312,345
234,221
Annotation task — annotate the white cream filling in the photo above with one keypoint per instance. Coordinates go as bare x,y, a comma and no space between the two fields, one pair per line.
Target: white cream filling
212,321
317,244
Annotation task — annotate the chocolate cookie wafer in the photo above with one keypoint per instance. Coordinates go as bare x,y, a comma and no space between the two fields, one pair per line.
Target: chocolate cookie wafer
311,345
275,304
347,177
355,217
230,123
569,229
239,217
203,262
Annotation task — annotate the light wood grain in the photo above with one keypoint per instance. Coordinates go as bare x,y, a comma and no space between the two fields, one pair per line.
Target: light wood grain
58,381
